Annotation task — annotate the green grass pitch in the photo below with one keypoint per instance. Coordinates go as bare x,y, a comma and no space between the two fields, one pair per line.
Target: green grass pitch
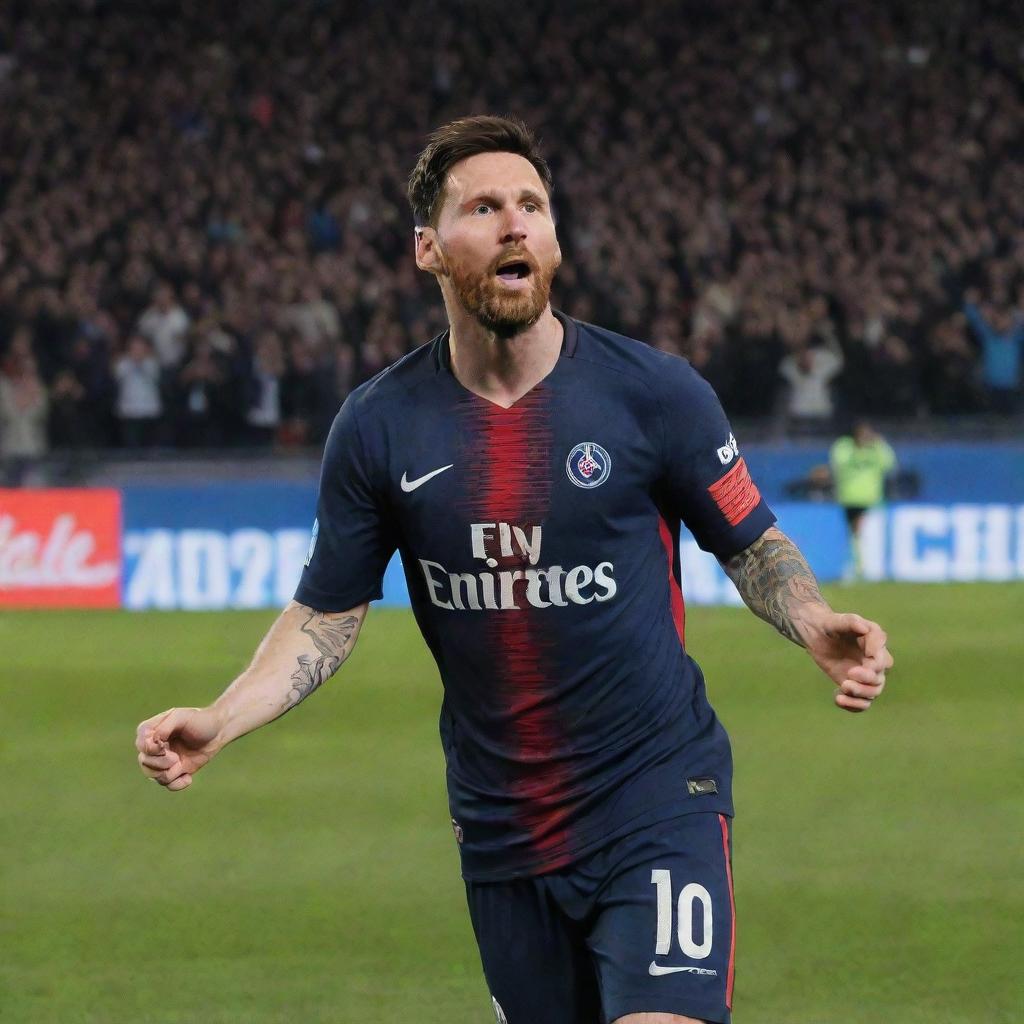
310,875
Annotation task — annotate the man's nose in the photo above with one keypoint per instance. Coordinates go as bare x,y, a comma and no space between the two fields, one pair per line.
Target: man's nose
513,226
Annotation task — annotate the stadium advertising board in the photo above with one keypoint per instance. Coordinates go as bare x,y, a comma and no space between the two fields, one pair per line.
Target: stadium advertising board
238,545
242,546
60,548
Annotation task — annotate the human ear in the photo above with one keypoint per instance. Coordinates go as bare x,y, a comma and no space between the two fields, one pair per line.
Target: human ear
428,255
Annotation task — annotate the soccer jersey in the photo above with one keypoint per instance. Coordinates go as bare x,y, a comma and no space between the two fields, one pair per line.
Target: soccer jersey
540,544
859,471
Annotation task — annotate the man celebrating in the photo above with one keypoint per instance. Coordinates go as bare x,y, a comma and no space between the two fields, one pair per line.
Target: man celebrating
533,472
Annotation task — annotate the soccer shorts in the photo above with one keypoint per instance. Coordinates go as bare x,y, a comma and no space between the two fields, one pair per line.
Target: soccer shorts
645,924
854,513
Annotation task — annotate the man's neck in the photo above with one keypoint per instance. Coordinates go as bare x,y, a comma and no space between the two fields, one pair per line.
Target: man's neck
502,370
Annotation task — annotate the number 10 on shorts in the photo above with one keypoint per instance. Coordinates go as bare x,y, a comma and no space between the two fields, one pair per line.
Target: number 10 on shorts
692,893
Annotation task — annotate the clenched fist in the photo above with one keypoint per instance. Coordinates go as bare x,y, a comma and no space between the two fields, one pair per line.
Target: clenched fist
174,745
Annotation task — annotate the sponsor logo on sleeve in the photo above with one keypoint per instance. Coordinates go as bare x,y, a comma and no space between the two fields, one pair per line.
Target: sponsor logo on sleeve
728,451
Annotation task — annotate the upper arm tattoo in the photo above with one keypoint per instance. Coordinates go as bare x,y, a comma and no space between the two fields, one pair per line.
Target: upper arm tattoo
776,582
333,638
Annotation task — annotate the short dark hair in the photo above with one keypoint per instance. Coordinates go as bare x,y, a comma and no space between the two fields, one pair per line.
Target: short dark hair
452,142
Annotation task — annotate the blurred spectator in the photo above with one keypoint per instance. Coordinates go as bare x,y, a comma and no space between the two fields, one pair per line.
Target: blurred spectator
23,410
891,386
92,423
1000,332
202,396
313,317
951,370
139,402
268,368
165,324
809,372
69,413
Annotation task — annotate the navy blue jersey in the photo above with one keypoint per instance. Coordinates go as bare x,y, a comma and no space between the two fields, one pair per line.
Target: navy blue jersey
541,548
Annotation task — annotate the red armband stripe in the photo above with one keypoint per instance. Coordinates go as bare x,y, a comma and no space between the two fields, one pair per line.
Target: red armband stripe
736,495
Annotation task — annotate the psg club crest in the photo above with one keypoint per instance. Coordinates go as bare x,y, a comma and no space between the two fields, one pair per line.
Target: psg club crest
588,465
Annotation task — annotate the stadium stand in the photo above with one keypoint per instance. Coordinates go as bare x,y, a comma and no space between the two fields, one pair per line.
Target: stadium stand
204,238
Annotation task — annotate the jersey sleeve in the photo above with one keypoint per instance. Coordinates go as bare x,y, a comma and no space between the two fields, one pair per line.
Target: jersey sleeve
352,540
888,457
706,479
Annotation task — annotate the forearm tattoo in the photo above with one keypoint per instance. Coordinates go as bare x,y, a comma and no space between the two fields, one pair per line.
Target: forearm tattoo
776,582
333,639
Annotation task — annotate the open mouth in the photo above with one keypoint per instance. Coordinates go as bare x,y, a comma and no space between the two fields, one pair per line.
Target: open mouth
514,271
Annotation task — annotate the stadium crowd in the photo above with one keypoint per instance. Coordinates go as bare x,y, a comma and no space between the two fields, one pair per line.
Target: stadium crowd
204,238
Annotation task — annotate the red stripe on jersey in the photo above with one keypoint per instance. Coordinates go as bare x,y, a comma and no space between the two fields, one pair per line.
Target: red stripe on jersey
675,593
731,975
736,495
541,781
508,460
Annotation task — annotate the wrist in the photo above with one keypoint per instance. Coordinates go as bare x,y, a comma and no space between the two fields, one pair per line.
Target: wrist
812,622
220,721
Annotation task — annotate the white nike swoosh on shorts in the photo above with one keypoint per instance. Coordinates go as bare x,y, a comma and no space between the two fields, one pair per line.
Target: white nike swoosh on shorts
656,970
411,485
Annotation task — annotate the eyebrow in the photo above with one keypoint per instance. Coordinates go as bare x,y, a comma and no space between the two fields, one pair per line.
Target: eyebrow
488,197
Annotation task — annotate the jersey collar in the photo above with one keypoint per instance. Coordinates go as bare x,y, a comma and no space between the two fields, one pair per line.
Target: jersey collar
570,341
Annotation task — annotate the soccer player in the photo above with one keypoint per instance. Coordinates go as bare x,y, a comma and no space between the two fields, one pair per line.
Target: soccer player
533,472
860,462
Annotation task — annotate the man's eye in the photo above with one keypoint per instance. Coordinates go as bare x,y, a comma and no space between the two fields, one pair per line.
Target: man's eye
486,207
531,207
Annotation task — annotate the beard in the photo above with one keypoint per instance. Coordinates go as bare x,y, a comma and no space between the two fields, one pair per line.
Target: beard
503,311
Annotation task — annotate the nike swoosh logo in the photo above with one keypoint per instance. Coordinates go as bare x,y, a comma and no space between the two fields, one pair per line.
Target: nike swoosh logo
411,485
656,970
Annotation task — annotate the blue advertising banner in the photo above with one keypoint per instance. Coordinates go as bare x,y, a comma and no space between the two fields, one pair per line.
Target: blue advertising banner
238,545
949,472
243,545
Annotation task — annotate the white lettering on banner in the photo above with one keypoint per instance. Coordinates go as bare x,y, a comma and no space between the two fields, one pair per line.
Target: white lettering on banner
212,569
997,563
59,560
203,581
965,522
252,553
937,543
151,584
914,527
872,545
289,556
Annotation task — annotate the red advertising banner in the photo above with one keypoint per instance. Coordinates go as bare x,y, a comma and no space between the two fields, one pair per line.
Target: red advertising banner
60,548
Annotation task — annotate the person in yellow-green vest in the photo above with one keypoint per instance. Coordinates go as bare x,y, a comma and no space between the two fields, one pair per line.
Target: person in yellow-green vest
860,464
